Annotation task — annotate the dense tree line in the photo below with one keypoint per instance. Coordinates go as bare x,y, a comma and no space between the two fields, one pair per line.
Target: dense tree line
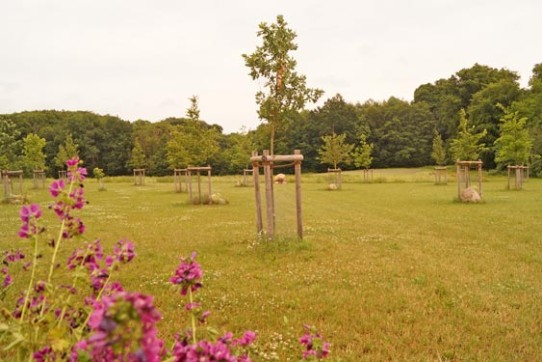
400,132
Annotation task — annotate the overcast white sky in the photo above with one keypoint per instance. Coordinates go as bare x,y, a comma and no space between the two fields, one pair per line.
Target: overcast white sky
142,59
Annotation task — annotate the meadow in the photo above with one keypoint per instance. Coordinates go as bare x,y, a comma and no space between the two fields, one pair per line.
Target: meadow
392,270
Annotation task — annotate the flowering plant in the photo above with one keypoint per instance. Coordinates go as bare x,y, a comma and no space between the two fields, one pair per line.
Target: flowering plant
79,313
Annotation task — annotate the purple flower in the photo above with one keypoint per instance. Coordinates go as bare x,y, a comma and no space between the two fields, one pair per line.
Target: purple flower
124,251
188,275
113,325
44,355
57,187
29,215
314,344
30,211
7,279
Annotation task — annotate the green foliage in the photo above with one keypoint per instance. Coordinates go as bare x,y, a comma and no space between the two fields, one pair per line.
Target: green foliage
362,154
467,146
33,156
66,151
98,173
9,145
138,159
335,150
515,144
286,92
439,151
193,143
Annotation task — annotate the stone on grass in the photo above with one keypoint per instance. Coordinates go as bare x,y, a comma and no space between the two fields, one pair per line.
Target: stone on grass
470,195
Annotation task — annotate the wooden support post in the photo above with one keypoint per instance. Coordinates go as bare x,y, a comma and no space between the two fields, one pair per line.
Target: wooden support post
268,194
508,177
256,178
458,175
189,176
480,177
209,181
297,168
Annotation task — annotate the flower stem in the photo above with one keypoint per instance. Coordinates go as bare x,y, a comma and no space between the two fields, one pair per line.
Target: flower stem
192,317
33,273
59,239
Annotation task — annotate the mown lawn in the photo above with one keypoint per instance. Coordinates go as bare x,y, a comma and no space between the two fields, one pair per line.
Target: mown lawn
393,270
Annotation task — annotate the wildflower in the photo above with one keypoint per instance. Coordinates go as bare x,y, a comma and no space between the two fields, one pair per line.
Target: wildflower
29,215
124,251
315,346
44,355
112,325
188,275
57,187
7,279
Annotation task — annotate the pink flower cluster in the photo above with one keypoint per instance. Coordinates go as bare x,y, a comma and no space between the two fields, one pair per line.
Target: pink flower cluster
9,257
29,216
123,328
221,350
91,257
68,200
315,346
188,275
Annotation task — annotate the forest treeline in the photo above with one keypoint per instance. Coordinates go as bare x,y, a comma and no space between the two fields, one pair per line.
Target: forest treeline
401,132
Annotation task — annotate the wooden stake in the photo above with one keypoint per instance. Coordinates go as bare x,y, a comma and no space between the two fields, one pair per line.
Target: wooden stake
268,194
297,168
256,177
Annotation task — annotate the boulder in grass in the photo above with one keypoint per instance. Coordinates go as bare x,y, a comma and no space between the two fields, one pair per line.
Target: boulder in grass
280,178
217,198
470,195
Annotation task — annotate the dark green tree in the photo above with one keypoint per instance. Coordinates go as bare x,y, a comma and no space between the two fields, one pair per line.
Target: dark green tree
9,145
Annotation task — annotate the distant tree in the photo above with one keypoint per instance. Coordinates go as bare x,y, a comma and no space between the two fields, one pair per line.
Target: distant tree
467,145
515,144
66,151
138,159
362,154
285,91
33,155
99,175
193,143
439,151
335,151
9,145
238,152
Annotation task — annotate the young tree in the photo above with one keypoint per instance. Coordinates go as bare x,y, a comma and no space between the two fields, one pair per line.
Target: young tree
66,151
439,151
286,91
335,150
99,174
515,144
33,155
138,159
362,154
194,143
467,145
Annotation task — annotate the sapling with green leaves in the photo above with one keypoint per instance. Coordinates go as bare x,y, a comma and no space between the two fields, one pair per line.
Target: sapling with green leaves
515,143
335,150
362,154
468,143
99,174
439,151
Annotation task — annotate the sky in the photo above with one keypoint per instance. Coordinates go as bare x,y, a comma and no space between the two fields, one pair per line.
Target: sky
143,59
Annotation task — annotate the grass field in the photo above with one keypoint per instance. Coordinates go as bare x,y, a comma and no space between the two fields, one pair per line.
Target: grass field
393,270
